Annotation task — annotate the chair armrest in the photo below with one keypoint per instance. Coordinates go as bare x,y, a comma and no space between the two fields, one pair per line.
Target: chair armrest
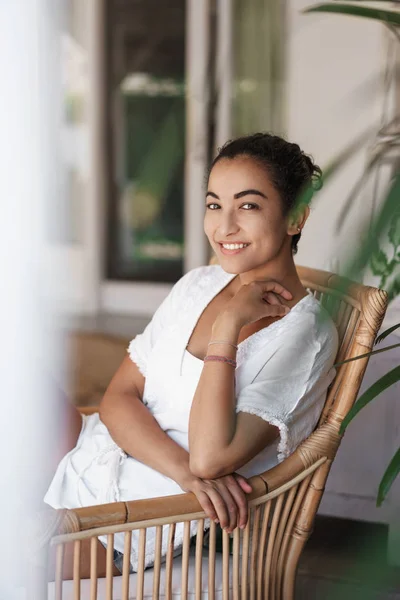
135,511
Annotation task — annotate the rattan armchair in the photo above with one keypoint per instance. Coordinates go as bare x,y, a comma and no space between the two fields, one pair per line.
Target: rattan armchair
263,561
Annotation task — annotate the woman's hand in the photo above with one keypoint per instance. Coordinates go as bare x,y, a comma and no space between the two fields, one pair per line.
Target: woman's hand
257,300
223,499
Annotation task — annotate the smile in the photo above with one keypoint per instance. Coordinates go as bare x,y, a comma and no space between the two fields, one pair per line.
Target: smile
230,249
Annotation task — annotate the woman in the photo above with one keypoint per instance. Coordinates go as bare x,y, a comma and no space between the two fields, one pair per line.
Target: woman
230,375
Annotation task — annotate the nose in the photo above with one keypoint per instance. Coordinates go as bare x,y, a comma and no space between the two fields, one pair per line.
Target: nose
227,225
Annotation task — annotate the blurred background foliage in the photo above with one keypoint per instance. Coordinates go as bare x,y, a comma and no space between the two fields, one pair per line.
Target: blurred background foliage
379,248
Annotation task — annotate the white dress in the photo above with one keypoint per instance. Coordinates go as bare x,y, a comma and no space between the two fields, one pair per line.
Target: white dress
282,375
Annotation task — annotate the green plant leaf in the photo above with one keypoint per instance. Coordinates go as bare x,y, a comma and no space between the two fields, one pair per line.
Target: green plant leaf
357,187
394,231
385,16
379,263
388,477
383,335
393,289
355,190
343,362
354,269
390,2
332,168
377,388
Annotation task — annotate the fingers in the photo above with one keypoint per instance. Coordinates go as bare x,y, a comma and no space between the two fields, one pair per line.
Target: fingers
240,499
224,500
224,506
278,311
277,288
244,484
235,500
207,505
274,301
213,503
272,298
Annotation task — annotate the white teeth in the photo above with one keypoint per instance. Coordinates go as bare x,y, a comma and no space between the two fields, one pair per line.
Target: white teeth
234,246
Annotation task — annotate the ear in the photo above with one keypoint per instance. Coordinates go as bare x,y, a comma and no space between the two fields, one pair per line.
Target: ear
297,220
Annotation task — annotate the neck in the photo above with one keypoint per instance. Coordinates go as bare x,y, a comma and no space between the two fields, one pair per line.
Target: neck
282,271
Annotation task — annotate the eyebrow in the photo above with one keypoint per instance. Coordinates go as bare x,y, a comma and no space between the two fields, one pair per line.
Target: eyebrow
250,192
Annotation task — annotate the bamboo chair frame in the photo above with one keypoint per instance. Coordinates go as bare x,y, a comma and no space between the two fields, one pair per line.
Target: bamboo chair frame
283,503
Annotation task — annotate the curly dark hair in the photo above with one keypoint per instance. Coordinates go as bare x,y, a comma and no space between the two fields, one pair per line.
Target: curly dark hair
291,170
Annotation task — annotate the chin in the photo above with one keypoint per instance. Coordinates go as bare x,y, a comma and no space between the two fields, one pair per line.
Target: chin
229,267
230,270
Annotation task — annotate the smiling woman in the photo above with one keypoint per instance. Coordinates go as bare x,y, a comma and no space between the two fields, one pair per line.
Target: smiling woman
270,173
230,375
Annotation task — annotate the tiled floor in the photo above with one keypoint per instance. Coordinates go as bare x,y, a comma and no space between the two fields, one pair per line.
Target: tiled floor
346,560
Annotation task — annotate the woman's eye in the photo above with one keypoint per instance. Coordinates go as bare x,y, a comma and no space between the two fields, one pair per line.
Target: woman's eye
251,205
212,205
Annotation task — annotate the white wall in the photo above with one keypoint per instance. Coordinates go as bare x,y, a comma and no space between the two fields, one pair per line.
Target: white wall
331,60
334,94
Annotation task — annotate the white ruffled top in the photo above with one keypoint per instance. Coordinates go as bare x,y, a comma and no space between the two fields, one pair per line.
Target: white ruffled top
283,372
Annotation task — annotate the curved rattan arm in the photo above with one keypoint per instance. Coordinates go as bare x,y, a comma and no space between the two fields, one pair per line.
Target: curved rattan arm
322,444
119,513
311,454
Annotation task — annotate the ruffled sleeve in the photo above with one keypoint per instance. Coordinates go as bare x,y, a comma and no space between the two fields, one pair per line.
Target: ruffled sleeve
290,389
141,346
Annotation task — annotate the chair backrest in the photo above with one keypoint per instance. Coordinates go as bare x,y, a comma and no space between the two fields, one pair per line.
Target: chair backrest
358,311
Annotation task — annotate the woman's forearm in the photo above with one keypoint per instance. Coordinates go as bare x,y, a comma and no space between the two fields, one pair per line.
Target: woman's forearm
212,422
135,430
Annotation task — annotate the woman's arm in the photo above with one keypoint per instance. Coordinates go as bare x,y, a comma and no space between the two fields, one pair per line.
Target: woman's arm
136,431
134,428
220,440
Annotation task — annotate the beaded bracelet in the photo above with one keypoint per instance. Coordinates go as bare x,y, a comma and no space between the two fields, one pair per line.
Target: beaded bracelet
217,358
223,342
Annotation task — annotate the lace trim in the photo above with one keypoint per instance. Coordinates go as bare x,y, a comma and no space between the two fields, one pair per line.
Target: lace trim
283,450
136,357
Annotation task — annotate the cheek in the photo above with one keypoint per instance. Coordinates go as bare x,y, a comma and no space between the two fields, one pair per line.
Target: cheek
268,231
262,227
208,224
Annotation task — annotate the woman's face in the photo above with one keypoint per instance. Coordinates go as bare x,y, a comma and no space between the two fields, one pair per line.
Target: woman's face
243,207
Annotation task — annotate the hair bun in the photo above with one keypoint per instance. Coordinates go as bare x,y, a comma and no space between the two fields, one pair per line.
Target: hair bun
315,172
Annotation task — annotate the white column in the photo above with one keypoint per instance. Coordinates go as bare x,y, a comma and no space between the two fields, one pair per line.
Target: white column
224,73
29,120
97,181
197,100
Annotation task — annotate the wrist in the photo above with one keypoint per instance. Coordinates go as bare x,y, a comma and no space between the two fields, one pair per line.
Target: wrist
228,326
186,480
183,476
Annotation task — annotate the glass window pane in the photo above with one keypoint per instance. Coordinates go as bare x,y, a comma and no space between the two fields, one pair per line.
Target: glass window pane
259,69
147,125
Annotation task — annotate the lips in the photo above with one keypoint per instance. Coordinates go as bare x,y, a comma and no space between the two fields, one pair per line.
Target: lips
232,252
